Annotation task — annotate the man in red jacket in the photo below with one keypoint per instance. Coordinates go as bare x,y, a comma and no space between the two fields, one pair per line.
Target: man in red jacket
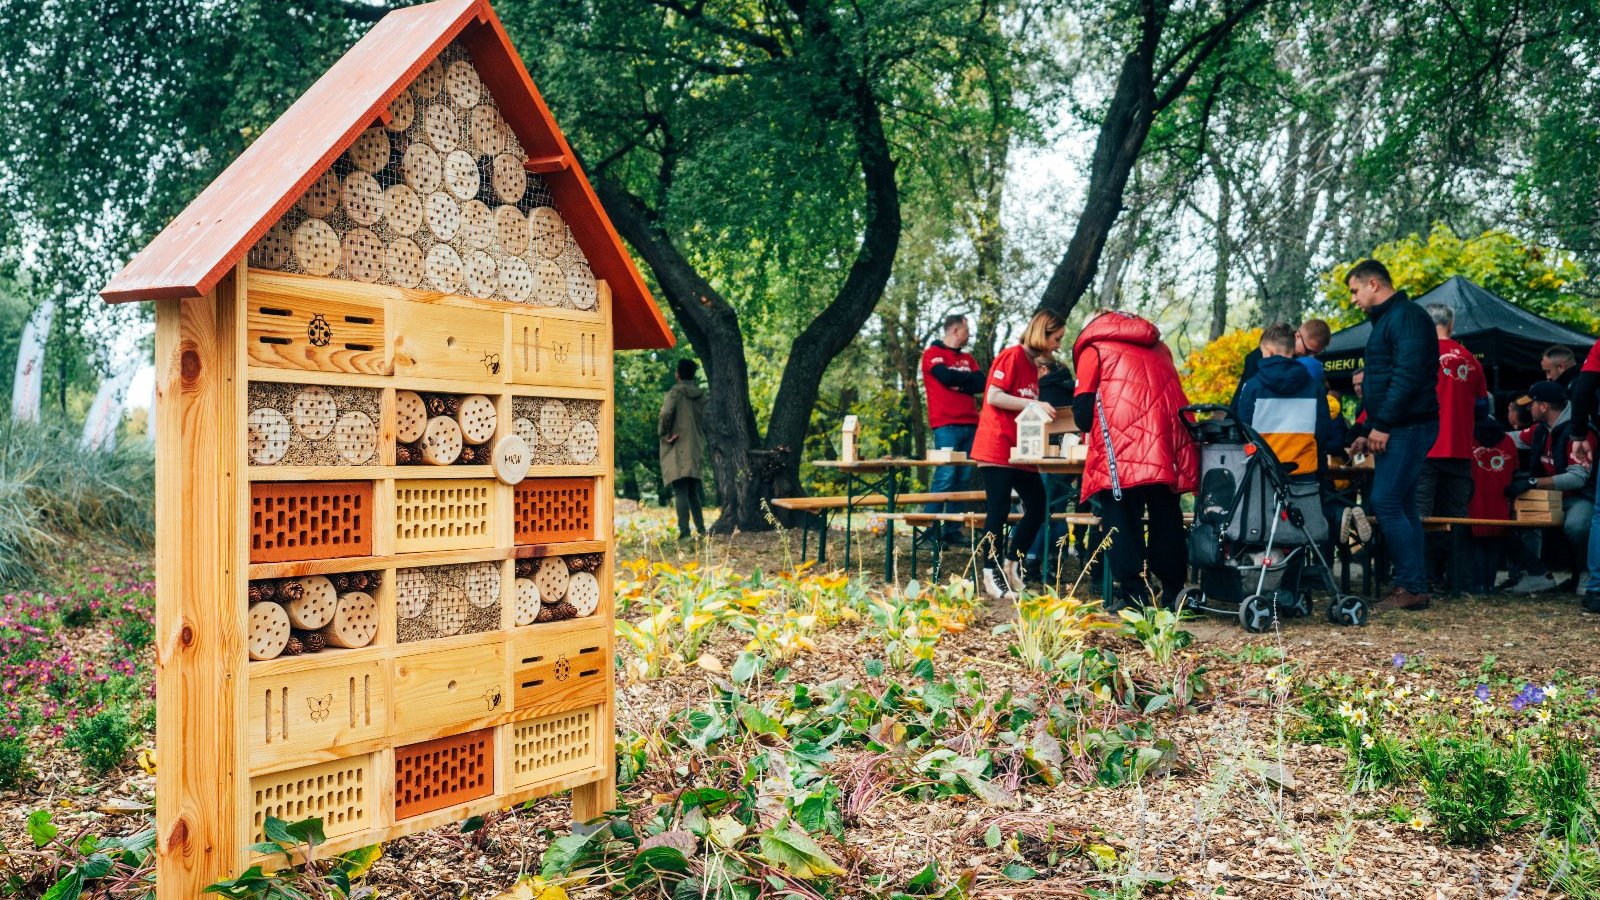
1140,455
952,380
1445,488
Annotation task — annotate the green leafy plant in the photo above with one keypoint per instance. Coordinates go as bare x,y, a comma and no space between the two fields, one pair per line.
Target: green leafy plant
1158,630
1049,627
14,768
104,739
1571,866
1558,786
1470,785
312,879
84,862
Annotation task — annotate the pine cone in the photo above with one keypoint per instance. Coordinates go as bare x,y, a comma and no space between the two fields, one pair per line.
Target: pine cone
546,614
341,583
269,590
563,611
290,589
374,581
359,581
436,405
404,455
469,455
254,593
294,647
312,641
524,568
452,404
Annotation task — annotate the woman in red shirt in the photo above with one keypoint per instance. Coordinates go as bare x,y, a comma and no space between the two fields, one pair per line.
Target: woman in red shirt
1013,386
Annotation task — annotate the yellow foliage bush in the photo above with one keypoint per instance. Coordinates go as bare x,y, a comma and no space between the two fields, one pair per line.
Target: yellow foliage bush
1212,372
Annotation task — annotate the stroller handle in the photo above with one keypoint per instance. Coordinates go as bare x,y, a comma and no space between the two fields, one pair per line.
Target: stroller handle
1190,412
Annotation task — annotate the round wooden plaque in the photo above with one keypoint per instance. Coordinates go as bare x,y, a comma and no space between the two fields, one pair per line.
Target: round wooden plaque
356,437
549,285
462,83
477,224
522,427
482,584
512,229
488,130
441,443
402,111
477,419
268,435
548,232
269,630
410,416
552,580
444,216
448,611
510,182
580,286
516,279
314,413
272,251
429,81
313,609
461,174
444,269
316,246
323,195
482,280
584,443
370,152
422,168
583,592
362,198
443,129
555,423
403,259
526,607
355,621
512,458
411,592
404,207
363,255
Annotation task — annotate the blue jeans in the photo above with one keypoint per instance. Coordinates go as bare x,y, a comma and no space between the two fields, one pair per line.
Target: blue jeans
1394,500
1593,586
951,478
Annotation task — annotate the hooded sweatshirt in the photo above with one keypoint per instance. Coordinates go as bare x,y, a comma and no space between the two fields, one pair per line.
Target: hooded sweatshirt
1287,406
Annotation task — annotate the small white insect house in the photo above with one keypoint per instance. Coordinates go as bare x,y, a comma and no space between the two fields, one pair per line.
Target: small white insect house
847,447
1032,424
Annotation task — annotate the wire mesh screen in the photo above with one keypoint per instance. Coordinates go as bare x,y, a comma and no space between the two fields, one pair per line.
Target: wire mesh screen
438,200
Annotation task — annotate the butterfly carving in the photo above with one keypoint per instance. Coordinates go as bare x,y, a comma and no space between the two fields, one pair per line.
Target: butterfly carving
321,707
560,351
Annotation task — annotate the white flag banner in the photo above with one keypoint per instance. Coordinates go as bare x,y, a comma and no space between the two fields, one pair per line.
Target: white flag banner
25,389
105,414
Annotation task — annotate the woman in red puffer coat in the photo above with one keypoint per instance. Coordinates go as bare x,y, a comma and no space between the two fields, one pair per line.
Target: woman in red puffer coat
1140,455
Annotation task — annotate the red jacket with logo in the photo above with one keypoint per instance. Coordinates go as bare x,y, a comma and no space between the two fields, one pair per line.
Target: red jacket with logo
946,405
1459,387
1121,359
1013,372
1492,468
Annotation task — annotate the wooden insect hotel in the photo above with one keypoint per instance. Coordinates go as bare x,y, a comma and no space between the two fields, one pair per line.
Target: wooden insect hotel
384,489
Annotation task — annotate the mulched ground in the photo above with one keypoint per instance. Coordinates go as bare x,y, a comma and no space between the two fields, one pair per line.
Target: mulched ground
1215,824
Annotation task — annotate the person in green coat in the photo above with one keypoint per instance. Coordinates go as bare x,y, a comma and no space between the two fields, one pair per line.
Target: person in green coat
682,445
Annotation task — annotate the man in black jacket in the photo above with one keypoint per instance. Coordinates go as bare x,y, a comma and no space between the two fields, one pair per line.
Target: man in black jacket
1585,415
1402,362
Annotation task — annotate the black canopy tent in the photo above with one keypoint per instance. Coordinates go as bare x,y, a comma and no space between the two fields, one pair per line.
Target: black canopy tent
1508,340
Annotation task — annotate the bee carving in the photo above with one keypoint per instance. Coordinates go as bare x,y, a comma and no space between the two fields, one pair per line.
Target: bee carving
321,707
319,332
492,697
491,361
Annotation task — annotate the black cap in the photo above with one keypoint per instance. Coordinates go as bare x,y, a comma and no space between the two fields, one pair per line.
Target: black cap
1547,392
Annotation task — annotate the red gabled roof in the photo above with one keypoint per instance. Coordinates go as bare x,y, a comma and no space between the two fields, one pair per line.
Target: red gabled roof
221,225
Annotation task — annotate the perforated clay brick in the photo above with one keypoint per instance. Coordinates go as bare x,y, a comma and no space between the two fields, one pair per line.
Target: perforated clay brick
296,521
335,792
552,746
443,772
442,515
549,510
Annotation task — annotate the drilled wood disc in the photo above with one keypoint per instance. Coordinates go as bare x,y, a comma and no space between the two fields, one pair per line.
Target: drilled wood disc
403,259
487,129
522,427
313,609
482,279
411,592
314,413
511,459
322,196
448,611
444,269
441,442
462,83
429,81
410,416
581,288
482,584
404,208
268,433
363,255
370,152
511,227
526,607
477,418
584,443
319,590
269,630
477,224
356,437
583,592
272,251
552,580
516,279
555,423
444,216
362,198
548,232
549,284
510,182
402,111
442,128
461,174
422,168
316,247
355,621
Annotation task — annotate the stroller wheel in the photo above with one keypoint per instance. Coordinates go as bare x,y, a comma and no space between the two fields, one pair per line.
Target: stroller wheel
1257,613
1348,609
1189,598
1299,608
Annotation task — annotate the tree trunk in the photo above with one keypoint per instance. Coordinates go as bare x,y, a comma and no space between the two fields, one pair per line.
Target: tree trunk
1222,273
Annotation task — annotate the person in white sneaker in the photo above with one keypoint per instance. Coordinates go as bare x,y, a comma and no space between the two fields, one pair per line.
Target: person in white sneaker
1556,464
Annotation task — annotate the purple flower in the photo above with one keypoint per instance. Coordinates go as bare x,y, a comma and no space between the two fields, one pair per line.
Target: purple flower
1517,703
1482,693
1399,660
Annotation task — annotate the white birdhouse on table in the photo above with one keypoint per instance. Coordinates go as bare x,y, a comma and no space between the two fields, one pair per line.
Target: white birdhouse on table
1032,424
847,446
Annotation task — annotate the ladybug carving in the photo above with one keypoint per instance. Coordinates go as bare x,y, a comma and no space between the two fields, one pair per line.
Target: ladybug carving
319,332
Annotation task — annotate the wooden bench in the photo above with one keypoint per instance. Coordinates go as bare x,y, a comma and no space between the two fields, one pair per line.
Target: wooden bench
816,510
927,531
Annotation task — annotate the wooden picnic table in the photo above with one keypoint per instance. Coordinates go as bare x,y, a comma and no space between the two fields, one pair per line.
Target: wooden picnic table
875,476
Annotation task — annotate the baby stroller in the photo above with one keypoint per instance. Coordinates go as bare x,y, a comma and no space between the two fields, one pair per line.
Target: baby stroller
1257,536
